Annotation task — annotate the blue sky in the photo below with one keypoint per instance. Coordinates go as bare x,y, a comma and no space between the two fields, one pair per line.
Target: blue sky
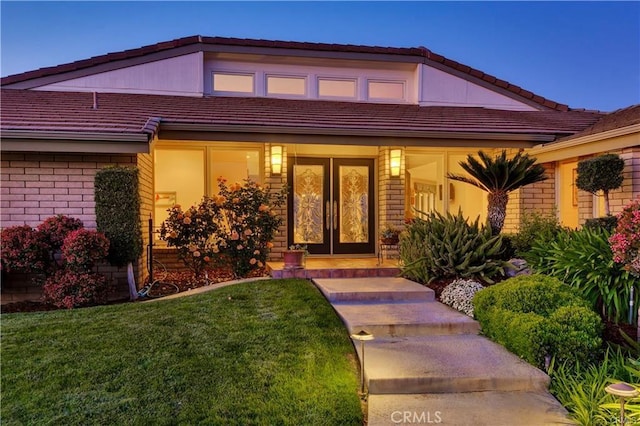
585,54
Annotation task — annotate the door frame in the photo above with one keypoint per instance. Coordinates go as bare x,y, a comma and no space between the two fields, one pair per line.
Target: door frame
331,185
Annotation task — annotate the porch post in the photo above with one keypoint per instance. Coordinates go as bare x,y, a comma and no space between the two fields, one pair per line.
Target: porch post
391,190
277,182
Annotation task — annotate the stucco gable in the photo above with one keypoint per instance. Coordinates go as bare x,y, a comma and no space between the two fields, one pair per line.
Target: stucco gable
445,89
181,75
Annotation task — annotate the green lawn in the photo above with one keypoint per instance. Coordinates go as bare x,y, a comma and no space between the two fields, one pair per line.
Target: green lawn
266,352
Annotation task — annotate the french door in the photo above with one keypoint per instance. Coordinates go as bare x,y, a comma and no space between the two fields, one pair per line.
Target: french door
331,205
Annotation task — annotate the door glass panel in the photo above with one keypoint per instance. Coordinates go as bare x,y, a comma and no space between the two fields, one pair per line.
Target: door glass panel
307,204
354,204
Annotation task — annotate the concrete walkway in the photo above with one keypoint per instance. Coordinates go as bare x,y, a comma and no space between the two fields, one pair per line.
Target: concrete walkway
428,365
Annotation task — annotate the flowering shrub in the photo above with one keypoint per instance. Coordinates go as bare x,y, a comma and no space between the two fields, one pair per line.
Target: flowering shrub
71,289
23,249
56,228
83,248
68,284
459,295
232,228
625,241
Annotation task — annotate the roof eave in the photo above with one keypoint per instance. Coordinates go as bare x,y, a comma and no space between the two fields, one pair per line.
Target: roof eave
595,143
385,133
64,141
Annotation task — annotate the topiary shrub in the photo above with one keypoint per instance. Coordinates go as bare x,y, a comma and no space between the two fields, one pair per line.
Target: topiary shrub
23,249
71,289
602,173
459,295
584,260
449,247
118,212
536,315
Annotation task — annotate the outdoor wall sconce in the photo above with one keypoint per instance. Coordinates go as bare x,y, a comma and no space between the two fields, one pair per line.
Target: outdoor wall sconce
623,391
276,159
362,336
394,162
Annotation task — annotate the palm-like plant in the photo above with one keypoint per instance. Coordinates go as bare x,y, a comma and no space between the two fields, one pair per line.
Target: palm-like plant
499,176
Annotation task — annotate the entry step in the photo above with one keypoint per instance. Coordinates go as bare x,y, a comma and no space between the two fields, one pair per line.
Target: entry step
375,289
405,319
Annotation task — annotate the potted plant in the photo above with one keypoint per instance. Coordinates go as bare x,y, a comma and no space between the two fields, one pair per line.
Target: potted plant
389,235
294,256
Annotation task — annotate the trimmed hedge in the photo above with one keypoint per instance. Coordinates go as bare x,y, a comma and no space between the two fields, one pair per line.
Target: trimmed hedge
536,315
118,212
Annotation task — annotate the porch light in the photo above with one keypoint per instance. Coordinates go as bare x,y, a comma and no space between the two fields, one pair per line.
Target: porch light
362,336
623,391
394,162
276,160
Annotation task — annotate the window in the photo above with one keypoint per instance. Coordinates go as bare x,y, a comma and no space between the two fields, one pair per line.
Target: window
386,90
336,88
179,179
235,165
231,82
277,85
184,176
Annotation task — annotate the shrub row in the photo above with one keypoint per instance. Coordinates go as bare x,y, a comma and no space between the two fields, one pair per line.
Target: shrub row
535,316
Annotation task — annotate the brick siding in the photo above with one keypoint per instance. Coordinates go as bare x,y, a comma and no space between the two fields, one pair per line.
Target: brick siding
36,186
538,197
541,197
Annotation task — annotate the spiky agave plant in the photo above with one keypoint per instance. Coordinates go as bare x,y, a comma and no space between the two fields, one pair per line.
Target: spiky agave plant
498,176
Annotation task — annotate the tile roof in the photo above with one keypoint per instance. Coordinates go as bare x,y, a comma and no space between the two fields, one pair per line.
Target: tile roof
134,113
420,52
615,120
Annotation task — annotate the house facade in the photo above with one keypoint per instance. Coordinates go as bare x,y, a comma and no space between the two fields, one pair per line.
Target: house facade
363,136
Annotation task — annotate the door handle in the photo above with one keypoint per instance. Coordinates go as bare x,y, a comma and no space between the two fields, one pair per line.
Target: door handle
327,218
335,215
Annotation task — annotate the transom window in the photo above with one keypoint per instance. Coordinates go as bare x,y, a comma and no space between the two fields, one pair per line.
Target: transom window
386,90
286,85
233,82
336,88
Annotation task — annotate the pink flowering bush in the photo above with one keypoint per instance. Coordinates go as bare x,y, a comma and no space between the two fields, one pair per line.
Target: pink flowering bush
69,281
23,249
625,241
83,248
72,289
56,228
234,228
